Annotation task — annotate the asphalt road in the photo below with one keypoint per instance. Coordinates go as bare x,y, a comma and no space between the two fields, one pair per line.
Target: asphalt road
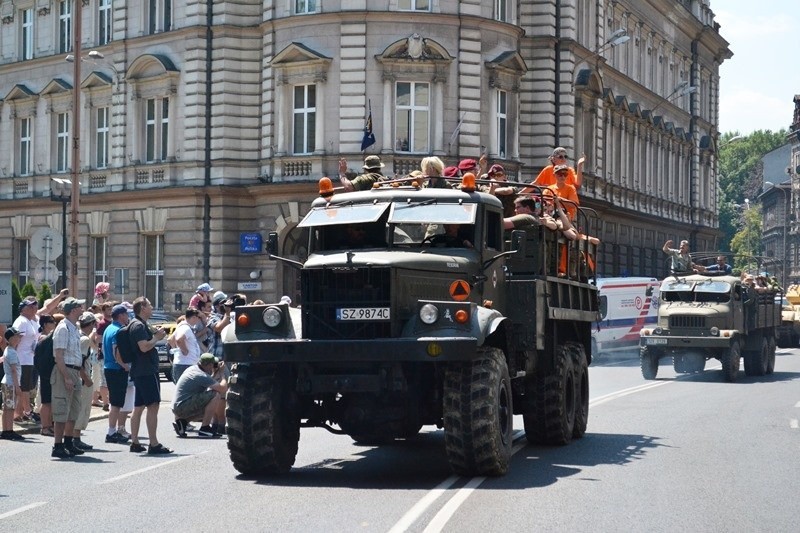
677,454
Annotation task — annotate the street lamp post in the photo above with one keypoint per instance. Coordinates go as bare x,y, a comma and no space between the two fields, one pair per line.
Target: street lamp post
76,149
783,227
60,191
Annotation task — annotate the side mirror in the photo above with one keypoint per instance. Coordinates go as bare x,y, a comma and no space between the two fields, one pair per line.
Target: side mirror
519,240
272,243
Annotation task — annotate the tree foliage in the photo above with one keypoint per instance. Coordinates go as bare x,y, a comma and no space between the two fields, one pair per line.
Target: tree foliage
741,175
746,243
44,294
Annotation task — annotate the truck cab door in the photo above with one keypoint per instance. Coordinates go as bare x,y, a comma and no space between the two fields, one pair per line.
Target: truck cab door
736,305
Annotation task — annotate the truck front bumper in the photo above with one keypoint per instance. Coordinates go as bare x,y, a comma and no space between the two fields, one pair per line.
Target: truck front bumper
423,349
664,342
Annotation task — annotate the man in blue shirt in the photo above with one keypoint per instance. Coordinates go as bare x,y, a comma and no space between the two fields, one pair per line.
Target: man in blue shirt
721,266
116,372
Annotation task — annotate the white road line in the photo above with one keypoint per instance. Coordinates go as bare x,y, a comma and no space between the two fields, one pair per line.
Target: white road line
146,469
793,423
21,509
449,509
797,404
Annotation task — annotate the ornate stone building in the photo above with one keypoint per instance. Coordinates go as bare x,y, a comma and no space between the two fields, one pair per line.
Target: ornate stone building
203,121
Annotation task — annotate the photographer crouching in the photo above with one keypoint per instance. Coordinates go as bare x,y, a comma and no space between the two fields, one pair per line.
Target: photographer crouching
200,397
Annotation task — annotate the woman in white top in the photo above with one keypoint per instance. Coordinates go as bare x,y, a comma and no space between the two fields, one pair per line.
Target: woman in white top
188,349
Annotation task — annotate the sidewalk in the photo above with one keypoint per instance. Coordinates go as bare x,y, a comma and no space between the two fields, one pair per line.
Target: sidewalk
34,428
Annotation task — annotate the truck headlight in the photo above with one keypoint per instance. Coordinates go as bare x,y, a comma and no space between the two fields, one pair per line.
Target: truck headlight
428,313
658,331
272,317
714,331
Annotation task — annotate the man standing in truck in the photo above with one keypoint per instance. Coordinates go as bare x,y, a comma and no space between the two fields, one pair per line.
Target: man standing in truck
681,258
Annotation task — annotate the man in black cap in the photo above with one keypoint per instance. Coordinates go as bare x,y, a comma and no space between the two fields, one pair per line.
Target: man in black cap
372,174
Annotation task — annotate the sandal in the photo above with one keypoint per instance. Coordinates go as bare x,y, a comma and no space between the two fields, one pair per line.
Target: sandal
48,432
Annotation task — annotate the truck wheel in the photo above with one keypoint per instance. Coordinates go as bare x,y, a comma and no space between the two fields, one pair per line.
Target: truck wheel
649,363
771,355
479,415
263,425
755,362
552,420
581,392
730,362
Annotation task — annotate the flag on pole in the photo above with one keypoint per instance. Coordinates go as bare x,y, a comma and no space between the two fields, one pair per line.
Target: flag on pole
369,137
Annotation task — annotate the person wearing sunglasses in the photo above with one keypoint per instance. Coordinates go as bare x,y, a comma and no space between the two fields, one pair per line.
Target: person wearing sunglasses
547,176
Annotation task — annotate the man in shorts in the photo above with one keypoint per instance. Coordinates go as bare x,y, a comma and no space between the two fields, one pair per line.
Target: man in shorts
116,372
198,396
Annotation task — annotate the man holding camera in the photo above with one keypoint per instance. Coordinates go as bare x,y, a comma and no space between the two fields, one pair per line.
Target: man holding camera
199,397
144,371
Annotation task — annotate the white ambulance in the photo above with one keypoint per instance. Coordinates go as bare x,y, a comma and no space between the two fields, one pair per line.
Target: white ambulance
626,306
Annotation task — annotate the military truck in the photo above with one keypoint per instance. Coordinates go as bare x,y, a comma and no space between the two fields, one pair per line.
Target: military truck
416,309
789,330
702,316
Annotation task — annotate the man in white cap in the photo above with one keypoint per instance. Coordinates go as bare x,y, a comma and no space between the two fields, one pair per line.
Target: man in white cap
201,296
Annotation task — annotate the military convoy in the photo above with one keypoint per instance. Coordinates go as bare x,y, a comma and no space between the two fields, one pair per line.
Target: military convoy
704,316
417,309
789,330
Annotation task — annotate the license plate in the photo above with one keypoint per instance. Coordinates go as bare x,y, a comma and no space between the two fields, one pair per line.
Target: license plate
362,313
656,340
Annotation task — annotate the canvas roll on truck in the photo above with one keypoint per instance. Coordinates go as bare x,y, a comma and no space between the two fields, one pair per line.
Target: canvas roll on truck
406,328
701,317
626,306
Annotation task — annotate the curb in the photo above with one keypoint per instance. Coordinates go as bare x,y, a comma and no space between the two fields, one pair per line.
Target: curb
35,429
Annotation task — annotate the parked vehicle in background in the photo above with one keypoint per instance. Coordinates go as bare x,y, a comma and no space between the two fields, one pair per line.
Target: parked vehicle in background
789,331
626,306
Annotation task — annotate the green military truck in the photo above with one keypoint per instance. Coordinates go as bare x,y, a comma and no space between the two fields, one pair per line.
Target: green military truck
416,309
701,317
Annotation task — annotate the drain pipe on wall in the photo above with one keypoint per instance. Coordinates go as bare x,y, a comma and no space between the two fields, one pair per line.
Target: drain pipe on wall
207,159
557,77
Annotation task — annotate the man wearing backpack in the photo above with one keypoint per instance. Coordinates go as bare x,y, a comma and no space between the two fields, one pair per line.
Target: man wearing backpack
116,371
144,371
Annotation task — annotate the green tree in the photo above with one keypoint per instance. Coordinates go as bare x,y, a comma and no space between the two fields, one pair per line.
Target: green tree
27,290
746,243
740,175
16,298
44,294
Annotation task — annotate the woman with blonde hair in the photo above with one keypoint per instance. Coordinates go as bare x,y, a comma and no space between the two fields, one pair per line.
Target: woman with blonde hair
432,167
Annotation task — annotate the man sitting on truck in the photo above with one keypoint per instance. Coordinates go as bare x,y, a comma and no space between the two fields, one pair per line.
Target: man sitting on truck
720,267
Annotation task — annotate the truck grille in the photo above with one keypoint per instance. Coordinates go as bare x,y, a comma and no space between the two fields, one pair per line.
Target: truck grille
326,290
687,322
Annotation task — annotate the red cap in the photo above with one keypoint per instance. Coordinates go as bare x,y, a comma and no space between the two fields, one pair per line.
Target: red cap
450,172
496,169
467,164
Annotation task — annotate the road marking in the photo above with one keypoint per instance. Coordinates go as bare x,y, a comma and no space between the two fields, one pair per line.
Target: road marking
797,404
21,509
449,509
794,424
148,468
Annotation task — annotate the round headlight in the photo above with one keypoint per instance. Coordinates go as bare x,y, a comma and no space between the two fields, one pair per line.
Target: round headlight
428,313
272,317
658,331
714,331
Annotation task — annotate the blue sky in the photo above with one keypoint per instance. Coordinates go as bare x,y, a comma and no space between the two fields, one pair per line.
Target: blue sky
758,83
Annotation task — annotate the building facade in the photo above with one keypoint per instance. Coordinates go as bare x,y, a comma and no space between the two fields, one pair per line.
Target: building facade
203,121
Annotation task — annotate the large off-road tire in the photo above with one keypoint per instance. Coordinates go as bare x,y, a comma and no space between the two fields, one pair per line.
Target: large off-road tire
552,420
581,392
478,415
730,362
771,355
263,421
755,362
648,362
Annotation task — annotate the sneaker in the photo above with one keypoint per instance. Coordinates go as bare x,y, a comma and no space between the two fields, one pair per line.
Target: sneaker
74,450
34,417
106,407
219,429
61,452
113,438
137,448
124,433
206,431
190,427
11,435
78,443
158,449
180,427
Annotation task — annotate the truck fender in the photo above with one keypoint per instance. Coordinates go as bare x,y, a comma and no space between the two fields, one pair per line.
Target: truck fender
483,322
291,330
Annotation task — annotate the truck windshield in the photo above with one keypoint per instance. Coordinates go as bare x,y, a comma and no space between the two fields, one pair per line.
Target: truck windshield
700,291
345,213
426,212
